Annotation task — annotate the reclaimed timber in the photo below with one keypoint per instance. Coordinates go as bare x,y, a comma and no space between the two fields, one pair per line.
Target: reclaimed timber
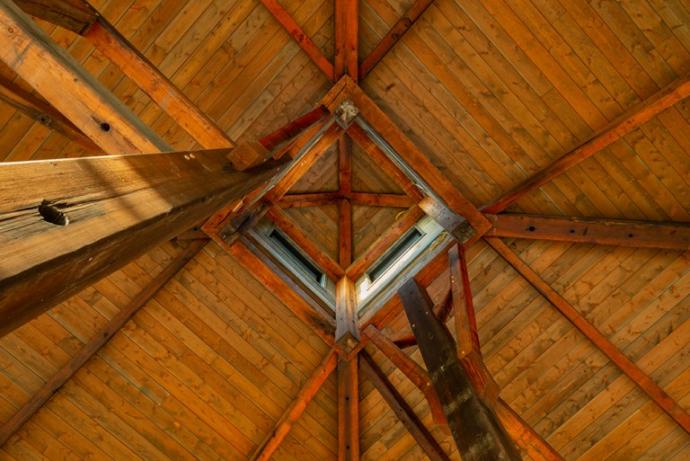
57,77
414,372
346,329
345,238
465,319
381,200
619,232
401,408
307,200
308,46
74,15
69,222
393,36
477,431
624,124
410,154
348,409
442,311
627,366
292,230
88,350
346,59
384,242
293,128
36,108
292,295
160,89
296,408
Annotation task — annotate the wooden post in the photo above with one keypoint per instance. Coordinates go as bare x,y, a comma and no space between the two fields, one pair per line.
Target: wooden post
68,222
475,428
348,409
97,342
346,330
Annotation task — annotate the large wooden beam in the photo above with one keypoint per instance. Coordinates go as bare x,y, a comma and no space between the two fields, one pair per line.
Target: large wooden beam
69,88
296,408
381,200
293,128
345,238
523,435
393,36
402,409
346,38
160,89
346,329
310,199
627,366
618,232
35,107
101,337
65,223
308,46
475,428
348,409
630,120
465,319
74,15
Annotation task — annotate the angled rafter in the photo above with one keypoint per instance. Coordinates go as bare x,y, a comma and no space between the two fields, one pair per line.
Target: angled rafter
293,231
66,86
414,372
628,367
630,120
393,36
37,108
293,128
157,86
619,232
346,38
475,428
97,342
296,408
308,46
402,409
465,319
76,220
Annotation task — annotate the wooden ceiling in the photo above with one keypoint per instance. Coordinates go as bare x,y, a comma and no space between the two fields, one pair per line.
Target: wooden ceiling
492,92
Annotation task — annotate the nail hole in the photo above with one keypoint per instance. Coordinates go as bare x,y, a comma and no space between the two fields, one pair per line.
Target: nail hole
531,228
105,126
572,231
51,214
630,235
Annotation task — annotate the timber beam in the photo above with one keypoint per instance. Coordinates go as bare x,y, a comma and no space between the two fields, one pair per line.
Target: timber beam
346,39
637,234
477,431
627,366
348,409
101,337
627,122
68,222
393,36
296,408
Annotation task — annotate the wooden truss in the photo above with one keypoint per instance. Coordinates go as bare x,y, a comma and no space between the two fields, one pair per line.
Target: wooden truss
94,213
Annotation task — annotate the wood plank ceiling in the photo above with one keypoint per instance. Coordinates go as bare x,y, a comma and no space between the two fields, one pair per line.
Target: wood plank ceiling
492,92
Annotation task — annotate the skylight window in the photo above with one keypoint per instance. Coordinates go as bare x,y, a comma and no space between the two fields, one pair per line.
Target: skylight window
296,257
396,252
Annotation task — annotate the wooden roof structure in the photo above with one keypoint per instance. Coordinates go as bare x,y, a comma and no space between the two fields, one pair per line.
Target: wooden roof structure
144,139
